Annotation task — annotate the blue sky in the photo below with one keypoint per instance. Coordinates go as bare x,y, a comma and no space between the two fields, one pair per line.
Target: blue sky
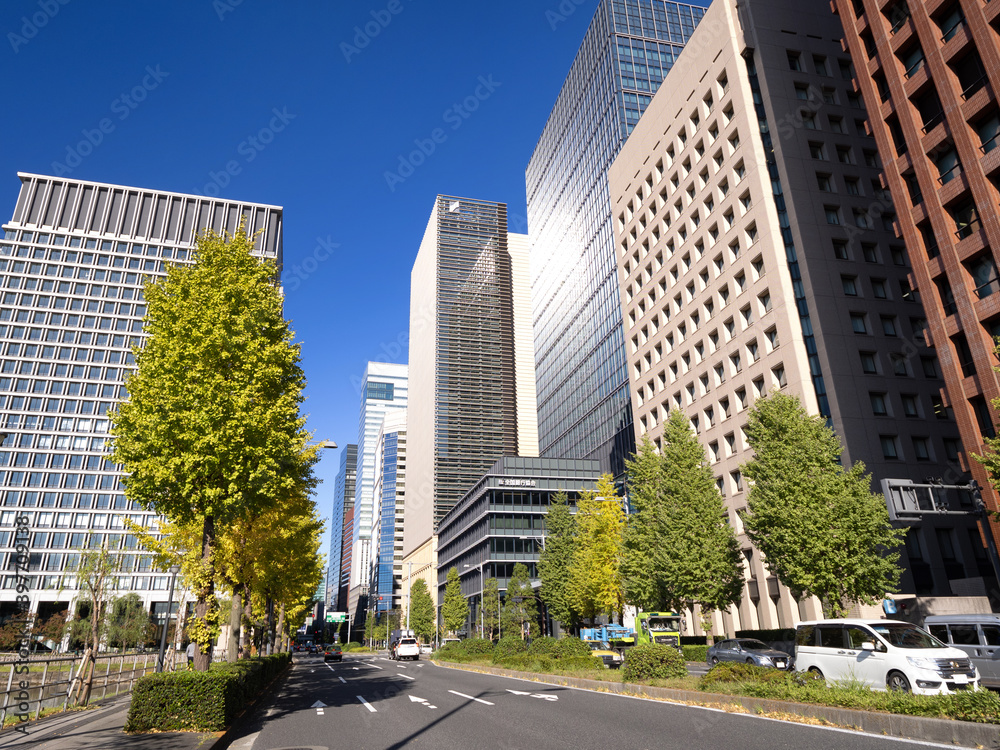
313,106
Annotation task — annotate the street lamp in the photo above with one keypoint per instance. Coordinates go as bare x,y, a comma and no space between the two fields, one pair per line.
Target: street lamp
174,570
482,593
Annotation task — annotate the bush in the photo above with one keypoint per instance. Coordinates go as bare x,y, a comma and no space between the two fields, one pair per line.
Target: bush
653,660
695,653
508,646
545,645
351,646
204,701
569,647
476,646
737,672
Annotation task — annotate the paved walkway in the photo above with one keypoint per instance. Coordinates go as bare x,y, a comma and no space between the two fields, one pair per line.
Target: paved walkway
99,728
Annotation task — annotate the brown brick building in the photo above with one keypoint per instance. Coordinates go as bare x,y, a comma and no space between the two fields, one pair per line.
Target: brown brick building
929,73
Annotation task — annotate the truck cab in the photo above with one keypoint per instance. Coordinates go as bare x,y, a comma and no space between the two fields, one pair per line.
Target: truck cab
659,627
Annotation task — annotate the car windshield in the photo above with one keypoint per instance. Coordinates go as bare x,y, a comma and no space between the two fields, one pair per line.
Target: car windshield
752,644
906,636
408,641
670,624
600,646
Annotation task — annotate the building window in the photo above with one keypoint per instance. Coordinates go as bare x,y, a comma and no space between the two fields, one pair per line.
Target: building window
840,250
850,285
878,404
878,288
921,448
889,325
817,151
910,405
869,364
858,323
832,215
890,450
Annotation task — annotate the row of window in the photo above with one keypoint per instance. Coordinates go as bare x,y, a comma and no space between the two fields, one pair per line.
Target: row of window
68,582
70,269
84,243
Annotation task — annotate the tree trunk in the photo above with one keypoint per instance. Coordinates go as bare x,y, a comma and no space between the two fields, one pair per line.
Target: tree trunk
203,651
235,615
246,633
281,628
269,625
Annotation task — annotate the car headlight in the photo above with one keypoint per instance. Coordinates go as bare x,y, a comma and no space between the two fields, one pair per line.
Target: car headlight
764,660
923,663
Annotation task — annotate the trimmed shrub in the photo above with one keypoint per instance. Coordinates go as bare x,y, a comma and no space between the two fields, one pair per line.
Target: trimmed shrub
507,647
476,646
350,646
568,647
545,645
737,671
695,653
653,660
581,662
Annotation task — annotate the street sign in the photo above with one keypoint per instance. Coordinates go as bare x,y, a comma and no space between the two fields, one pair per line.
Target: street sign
336,617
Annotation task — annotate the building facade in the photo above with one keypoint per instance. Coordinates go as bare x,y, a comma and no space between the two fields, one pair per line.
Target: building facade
384,389
387,533
341,528
469,348
751,259
72,263
582,383
501,521
929,73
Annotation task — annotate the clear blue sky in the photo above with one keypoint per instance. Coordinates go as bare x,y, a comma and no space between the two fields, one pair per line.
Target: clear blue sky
186,87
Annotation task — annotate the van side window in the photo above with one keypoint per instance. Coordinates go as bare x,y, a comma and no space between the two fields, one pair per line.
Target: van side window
831,636
856,636
939,631
991,633
805,635
964,635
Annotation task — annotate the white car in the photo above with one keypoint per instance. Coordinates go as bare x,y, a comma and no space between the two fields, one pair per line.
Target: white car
406,648
883,654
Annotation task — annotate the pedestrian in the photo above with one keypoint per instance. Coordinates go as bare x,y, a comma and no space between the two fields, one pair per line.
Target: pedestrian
190,655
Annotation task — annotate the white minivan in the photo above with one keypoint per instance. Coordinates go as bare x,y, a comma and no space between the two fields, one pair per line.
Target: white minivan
883,654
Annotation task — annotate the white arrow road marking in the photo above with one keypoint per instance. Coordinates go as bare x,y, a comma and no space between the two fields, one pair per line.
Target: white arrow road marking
405,676
368,705
318,704
342,679
354,668
517,692
400,666
546,697
471,698
415,699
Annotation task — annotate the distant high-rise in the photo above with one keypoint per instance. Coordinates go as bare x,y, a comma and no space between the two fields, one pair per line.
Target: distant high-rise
341,528
470,346
72,263
583,397
383,390
387,532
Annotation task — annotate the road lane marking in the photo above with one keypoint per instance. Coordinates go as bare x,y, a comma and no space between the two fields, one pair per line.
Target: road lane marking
406,676
368,705
374,665
471,698
342,679
421,701
535,695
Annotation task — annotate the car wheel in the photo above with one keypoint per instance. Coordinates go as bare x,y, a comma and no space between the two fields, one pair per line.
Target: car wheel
815,671
897,681
714,660
749,661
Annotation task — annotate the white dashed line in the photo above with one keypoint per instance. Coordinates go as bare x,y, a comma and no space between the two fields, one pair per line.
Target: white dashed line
405,676
368,705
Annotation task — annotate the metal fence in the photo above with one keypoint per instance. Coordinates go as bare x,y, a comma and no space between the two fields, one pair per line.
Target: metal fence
50,680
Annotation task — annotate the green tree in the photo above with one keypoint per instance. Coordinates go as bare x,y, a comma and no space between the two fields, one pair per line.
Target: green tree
645,554
421,610
818,525
520,610
129,624
556,560
211,432
96,570
491,607
455,608
595,583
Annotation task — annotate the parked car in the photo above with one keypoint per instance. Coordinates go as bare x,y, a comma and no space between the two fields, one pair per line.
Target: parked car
883,654
749,650
977,635
332,652
602,649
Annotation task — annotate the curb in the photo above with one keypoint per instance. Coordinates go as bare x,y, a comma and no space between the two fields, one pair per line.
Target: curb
250,714
944,731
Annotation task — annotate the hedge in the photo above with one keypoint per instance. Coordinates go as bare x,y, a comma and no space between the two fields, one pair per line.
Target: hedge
203,701
653,660
695,653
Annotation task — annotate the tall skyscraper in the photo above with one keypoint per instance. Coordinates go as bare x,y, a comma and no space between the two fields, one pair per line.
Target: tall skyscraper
72,262
469,347
929,75
383,390
583,398
390,485
751,259
341,528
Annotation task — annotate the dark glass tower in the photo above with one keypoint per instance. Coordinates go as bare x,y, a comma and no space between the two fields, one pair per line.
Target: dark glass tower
584,409
340,543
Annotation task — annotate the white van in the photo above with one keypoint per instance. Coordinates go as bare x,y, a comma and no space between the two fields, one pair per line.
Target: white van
883,654
977,635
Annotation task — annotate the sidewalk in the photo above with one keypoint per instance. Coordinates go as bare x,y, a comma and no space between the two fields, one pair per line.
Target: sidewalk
100,728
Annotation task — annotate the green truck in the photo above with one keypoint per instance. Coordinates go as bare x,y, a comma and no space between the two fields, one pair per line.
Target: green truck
659,627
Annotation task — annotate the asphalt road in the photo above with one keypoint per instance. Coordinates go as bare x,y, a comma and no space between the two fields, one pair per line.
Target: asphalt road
369,702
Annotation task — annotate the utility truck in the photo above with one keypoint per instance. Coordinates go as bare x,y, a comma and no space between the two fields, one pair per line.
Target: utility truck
659,627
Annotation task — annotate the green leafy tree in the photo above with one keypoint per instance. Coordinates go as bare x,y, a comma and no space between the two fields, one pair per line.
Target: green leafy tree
96,570
679,550
595,583
211,432
421,610
491,607
818,525
455,608
129,624
990,458
520,608
556,560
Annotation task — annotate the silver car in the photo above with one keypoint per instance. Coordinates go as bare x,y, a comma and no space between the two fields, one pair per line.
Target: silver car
750,651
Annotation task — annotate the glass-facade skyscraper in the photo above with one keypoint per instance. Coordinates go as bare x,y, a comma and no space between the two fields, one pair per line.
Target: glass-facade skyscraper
339,567
390,484
73,259
583,399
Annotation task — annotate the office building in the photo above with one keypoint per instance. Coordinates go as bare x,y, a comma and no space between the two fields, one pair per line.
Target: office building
501,521
387,531
751,258
583,399
383,391
72,263
470,347
341,530
929,75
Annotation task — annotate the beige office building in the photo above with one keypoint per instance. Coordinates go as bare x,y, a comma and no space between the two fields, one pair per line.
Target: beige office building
755,251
